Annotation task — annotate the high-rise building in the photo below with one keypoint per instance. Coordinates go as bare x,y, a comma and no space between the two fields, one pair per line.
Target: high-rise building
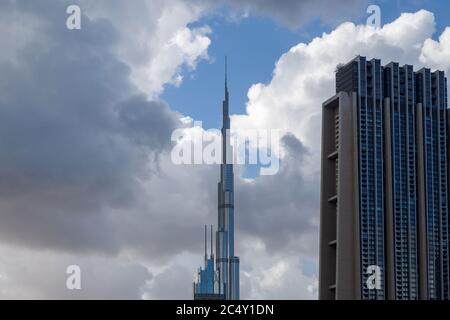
384,230
226,270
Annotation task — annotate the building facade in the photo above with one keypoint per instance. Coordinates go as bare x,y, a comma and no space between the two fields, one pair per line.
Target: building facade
384,185
226,270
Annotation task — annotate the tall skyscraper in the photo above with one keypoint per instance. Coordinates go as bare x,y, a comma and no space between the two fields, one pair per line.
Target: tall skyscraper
385,184
226,270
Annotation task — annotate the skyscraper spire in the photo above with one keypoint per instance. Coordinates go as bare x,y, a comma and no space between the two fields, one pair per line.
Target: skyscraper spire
206,245
224,275
212,241
226,76
227,264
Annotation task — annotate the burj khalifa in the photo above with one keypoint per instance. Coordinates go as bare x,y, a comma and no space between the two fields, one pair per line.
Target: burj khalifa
219,279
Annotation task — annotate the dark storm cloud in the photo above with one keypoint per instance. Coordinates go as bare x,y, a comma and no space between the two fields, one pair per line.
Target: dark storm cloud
294,147
34,274
73,137
280,208
295,13
147,123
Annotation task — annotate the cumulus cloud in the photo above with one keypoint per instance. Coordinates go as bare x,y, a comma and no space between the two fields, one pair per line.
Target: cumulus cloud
290,209
277,225
295,13
436,54
277,275
155,40
72,142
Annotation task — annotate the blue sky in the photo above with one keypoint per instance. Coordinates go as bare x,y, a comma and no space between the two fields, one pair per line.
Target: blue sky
253,45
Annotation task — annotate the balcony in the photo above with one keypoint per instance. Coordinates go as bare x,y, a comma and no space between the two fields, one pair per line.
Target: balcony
333,155
333,199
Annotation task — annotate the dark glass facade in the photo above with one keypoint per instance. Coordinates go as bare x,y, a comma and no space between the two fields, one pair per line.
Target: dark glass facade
402,140
432,89
366,79
370,141
400,89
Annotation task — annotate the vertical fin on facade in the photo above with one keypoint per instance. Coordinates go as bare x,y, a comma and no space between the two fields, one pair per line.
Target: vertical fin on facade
212,254
206,246
226,75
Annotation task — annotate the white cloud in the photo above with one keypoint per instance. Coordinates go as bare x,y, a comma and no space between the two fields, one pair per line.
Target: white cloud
155,39
436,54
267,275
